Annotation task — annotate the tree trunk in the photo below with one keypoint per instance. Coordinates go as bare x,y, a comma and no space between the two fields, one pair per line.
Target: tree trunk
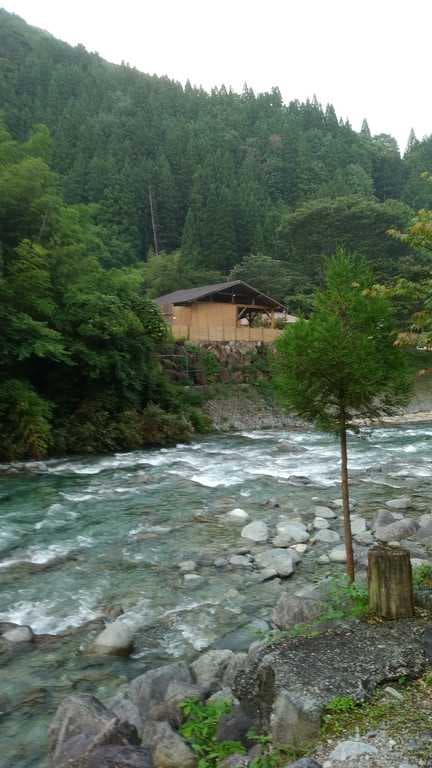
345,502
390,582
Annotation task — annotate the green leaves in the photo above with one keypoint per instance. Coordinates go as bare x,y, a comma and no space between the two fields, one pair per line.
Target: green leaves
72,332
25,429
342,360
200,730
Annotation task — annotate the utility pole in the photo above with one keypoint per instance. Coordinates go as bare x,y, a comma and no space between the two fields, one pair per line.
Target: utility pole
154,223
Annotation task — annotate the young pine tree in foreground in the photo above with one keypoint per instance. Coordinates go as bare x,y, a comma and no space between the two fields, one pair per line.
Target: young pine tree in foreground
341,365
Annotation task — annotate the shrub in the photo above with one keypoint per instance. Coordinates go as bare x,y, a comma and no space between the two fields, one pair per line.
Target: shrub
25,422
200,730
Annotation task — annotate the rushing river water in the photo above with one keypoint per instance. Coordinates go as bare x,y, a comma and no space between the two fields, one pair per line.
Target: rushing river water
80,537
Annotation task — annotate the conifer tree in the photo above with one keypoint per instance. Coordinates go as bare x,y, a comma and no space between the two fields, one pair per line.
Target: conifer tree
341,365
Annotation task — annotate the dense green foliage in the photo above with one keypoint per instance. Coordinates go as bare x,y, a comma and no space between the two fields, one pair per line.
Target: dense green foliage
228,174
78,343
200,730
342,363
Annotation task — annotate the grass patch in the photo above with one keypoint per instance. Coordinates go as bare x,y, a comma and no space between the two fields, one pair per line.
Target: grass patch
200,731
343,601
422,577
410,715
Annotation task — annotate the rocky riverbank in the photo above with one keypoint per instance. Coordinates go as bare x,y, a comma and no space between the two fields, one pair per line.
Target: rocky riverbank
247,408
282,688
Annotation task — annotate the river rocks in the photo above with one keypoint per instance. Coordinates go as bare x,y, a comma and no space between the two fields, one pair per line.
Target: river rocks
235,726
398,530
320,522
225,694
168,748
425,530
18,635
256,531
304,762
150,688
291,533
187,566
401,503
192,580
384,517
170,709
291,610
338,504
235,761
358,525
280,560
267,574
238,661
83,721
295,718
209,669
126,710
367,538
237,515
241,638
115,640
338,554
299,548
346,750
121,757
242,561
325,512
327,536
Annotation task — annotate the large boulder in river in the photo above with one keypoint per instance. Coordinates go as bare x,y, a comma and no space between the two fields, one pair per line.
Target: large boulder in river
237,515
291,610
327,536
256,531
169,750
291,533
402,502
281,561
82,723
18,635
425,530
338,554
151,688
209,669
115,640
383,517
398,530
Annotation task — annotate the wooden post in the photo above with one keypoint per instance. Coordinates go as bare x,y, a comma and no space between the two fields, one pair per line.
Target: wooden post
345,501
390,582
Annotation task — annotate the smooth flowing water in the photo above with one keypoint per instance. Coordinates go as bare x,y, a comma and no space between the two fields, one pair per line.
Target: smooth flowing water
82,537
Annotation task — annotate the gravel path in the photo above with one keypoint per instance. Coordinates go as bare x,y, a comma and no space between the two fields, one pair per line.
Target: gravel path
398,723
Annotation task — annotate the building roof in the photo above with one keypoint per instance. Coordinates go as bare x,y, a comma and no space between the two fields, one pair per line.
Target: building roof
189,295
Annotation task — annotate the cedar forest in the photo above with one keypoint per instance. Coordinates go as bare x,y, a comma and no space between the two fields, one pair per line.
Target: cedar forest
241,185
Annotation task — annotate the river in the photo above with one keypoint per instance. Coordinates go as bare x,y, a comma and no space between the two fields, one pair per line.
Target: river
81,537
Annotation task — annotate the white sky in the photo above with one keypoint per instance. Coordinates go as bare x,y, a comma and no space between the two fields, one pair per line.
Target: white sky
370,58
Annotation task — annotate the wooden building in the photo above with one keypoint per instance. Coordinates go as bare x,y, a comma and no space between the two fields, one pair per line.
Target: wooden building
223,312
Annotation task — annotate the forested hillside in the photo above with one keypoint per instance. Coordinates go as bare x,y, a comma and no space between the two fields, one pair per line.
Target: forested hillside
116,186
228,174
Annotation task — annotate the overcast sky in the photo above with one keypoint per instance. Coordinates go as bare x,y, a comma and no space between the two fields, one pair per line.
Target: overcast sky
370,58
